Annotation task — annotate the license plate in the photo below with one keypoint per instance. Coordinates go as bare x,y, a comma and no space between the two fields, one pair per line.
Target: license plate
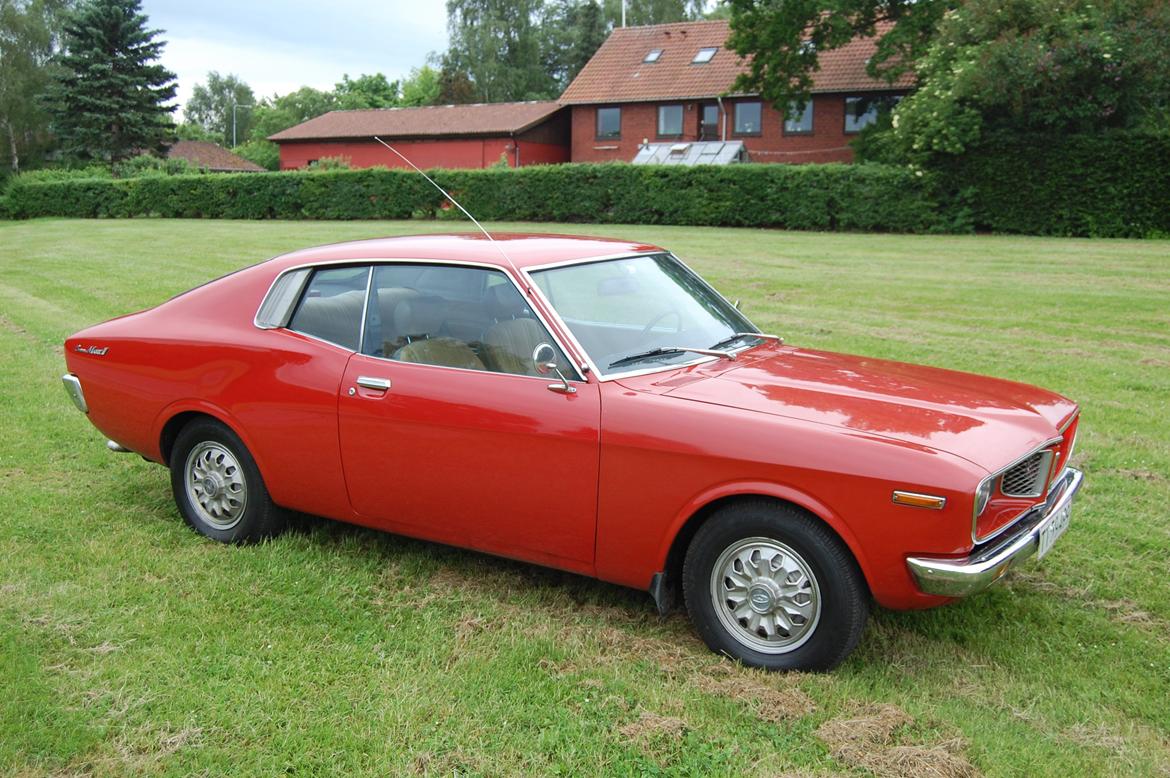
1053,530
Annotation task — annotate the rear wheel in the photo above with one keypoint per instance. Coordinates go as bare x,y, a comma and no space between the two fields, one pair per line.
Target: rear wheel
771,586
218,487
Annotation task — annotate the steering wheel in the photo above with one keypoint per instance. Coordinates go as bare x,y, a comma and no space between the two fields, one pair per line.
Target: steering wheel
669,312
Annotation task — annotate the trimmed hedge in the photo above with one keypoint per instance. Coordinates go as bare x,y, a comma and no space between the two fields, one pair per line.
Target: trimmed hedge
807,197
1114,184
1107,185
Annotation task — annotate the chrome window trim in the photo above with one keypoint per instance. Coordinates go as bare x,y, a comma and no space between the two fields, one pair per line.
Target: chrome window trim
602,376
372,262
995,477
485,371
365,309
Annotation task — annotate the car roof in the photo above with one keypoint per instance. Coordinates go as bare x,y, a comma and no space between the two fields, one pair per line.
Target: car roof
523,249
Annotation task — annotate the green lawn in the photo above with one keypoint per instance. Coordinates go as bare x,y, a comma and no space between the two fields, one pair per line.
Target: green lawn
129,645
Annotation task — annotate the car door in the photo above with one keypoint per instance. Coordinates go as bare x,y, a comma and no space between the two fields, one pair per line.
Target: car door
449,432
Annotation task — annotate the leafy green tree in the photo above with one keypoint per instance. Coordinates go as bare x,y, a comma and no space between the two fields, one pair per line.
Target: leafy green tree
455,86
210,107
110,98
653,11
575,30
281,112
264,153
1055,66
421,87
190,131
366,91
498,44
784,40
29,37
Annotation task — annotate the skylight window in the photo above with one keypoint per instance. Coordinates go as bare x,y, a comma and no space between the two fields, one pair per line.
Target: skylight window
704,56
653,55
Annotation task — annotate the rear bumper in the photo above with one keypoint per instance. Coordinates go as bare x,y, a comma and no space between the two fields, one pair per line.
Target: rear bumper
73,389
950,577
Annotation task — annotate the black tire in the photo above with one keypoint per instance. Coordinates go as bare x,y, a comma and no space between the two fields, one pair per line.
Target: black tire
234,507
811,581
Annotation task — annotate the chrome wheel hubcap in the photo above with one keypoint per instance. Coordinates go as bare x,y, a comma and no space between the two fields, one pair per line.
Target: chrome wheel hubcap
765,595
216,488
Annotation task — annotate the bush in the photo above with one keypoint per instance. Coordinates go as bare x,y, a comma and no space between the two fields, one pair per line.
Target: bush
147,165
51,174
264,153
1113,184
812,197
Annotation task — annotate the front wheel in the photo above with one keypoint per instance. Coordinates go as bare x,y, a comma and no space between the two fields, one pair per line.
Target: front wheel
773,587
218,487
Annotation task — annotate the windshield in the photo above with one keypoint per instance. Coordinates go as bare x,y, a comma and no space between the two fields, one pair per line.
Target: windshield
643,312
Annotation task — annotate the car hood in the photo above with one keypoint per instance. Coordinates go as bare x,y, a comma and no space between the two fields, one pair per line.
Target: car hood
987,421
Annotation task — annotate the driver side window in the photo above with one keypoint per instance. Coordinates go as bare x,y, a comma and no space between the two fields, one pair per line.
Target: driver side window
452,316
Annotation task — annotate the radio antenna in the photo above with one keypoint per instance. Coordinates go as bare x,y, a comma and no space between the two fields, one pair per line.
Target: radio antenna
466,213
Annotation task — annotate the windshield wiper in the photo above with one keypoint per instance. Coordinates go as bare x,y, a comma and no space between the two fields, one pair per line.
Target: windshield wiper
664,350
741,335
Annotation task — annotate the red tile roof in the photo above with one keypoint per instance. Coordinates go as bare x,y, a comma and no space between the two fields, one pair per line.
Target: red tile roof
211,156
430,121
617,74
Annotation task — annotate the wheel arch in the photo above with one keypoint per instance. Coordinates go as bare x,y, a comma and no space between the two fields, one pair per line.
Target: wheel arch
666,587
176,417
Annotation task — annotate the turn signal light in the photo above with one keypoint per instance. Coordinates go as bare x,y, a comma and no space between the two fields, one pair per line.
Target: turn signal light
915,500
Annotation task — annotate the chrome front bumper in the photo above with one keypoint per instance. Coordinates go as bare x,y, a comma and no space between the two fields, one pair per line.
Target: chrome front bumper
985,566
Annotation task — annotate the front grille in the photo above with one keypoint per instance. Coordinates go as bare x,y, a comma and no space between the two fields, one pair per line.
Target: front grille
1028,478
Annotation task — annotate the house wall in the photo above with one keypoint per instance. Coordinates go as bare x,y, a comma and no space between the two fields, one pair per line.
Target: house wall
429,153
828,141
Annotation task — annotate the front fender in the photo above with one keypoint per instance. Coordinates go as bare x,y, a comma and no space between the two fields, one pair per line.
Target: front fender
785,492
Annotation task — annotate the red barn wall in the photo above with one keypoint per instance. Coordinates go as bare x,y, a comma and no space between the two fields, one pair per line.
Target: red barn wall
828,142
430,153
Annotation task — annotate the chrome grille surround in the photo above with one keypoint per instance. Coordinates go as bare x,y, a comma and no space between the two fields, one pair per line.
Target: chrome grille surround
976,538
1029,477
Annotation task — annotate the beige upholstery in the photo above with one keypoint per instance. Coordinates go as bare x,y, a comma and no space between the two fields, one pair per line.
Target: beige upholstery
336,319
508,345
388,300
504,302
419,317
445,352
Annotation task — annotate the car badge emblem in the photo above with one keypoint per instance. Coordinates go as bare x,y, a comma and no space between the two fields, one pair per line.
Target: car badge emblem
94,350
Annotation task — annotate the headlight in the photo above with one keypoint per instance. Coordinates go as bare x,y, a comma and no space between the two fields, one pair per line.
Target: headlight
983,494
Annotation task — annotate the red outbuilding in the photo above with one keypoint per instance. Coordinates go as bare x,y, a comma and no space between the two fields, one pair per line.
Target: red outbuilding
450,136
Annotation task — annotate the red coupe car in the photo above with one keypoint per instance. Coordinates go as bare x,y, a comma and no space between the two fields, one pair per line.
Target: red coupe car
591,405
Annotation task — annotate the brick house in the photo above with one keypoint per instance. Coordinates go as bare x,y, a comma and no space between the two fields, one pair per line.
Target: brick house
663,84
451,136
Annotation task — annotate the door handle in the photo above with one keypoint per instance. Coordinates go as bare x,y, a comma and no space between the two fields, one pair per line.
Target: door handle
379,384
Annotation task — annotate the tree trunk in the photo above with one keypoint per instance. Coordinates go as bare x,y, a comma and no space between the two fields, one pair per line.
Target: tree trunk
12,147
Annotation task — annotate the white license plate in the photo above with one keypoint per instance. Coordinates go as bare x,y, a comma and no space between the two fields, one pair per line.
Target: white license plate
1053,530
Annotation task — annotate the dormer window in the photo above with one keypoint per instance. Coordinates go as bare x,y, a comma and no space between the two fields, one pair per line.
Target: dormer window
704,56
652,55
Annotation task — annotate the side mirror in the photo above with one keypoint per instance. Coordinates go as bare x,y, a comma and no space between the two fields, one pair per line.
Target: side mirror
544,359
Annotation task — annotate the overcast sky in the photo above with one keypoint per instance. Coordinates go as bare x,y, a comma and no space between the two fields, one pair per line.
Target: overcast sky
278,47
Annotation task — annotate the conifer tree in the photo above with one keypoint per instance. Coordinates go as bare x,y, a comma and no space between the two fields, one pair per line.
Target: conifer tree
110,98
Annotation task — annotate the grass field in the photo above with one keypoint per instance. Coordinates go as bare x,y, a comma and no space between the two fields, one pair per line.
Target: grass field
129,645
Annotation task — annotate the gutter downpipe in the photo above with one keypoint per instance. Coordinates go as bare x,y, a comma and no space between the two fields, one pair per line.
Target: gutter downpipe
722,119
516,149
